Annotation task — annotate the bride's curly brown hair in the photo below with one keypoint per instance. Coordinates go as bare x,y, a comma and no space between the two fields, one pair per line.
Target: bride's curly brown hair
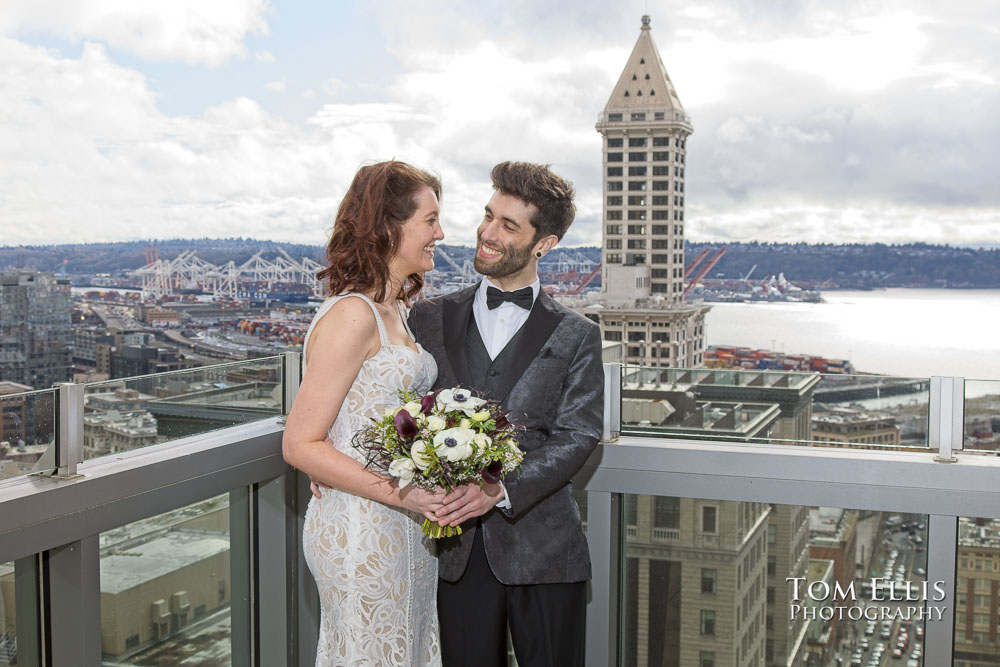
368,228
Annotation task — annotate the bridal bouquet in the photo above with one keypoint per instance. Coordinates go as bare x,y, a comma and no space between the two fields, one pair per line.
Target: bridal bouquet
446,438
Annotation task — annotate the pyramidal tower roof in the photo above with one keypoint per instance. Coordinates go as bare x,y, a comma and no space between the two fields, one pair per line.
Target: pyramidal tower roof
644,84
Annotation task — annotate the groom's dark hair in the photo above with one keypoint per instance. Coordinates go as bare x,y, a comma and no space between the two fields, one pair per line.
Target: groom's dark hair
536,184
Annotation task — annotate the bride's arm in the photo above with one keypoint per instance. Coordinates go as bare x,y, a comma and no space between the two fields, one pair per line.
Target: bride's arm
339,344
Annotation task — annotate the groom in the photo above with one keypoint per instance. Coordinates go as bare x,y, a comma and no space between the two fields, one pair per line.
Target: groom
522,559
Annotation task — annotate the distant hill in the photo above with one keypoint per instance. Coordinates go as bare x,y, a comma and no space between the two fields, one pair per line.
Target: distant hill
859,265
849,266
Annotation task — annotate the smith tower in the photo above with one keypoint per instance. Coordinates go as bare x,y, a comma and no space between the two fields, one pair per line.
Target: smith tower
645,131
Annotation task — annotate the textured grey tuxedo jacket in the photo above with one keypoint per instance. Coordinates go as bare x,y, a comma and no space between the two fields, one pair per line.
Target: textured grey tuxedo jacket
554,387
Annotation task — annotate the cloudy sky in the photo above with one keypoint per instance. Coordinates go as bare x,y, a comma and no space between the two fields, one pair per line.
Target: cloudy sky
857,120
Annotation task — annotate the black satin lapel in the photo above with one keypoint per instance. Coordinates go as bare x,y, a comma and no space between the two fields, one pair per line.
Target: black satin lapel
533,335
455,319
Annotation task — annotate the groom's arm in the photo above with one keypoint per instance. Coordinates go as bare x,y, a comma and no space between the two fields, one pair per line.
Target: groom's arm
576,429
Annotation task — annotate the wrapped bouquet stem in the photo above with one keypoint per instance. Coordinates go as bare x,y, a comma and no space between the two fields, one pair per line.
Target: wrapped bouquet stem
443,439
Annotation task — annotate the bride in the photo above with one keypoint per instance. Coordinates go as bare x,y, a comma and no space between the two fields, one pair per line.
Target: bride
377,578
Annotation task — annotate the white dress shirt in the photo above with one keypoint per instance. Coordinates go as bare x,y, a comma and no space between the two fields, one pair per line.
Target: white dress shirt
498,326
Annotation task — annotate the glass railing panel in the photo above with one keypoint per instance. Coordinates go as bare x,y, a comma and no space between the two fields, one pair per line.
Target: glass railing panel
27,432
709,582
772,406
982,415
8,616
165,588
126,414
977,614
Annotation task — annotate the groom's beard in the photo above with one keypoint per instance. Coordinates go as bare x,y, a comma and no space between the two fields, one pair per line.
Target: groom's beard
513,260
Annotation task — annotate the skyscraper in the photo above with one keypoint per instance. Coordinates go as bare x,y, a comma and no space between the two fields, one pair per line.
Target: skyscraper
645,131
35,336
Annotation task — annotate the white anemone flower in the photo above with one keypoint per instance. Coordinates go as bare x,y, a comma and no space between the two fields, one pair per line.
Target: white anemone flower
454,444
458,399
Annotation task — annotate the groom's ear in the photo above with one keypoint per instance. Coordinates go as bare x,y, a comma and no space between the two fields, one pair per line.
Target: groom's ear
545,244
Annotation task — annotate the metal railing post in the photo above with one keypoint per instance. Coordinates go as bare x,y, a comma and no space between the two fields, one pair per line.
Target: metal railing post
612,402
946,417
69,433
291,379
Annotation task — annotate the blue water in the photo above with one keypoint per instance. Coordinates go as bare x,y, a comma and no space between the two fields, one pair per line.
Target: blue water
902,332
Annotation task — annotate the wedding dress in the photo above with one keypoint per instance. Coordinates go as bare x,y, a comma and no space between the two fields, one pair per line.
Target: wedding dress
376,574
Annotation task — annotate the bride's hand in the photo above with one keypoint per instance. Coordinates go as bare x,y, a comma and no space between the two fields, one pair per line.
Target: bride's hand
427,503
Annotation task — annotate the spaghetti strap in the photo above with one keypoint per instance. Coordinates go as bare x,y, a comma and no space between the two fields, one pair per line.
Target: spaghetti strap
383,335
406,325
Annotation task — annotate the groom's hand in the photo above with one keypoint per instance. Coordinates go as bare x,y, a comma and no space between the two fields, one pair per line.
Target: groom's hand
467,502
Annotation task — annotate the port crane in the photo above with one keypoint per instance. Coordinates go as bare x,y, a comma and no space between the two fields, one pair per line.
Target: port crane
703,271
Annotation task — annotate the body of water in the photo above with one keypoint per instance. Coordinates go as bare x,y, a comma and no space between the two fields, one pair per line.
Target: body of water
902,332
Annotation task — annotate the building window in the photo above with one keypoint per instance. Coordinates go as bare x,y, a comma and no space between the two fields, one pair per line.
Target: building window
614,118
661,229
772,533
614,171
661,214
709,517
636,171
661,259
614,186
614,244
661,171
661,185
772,565
708,580
770,594
661,244
637,244
613,229
661,141
637,156
638,115
636,186
659,288
636,215
657,115
615,157
636,142
637,200
637,229
634,351
661,156
614,336
661,336
615,142
614,215
614,200
636,337
632,258
708,622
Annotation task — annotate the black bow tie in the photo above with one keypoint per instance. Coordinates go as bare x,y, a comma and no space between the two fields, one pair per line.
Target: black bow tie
521,297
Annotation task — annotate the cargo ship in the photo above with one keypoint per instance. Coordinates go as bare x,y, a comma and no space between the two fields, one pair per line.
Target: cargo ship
731,356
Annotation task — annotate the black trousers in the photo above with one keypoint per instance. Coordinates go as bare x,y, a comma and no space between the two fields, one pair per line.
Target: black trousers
547,621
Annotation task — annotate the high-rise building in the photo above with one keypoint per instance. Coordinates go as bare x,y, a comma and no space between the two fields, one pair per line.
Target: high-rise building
645,131
35,336
977,608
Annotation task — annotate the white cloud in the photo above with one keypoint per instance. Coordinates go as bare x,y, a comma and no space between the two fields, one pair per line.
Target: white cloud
189,31
275,86
85,155
264,57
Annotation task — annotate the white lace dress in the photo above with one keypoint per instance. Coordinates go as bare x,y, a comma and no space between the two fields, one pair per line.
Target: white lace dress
376,574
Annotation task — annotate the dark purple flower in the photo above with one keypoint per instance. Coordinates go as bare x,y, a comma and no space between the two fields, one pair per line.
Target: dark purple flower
427,402
451,442
406,425
491,473
502,422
